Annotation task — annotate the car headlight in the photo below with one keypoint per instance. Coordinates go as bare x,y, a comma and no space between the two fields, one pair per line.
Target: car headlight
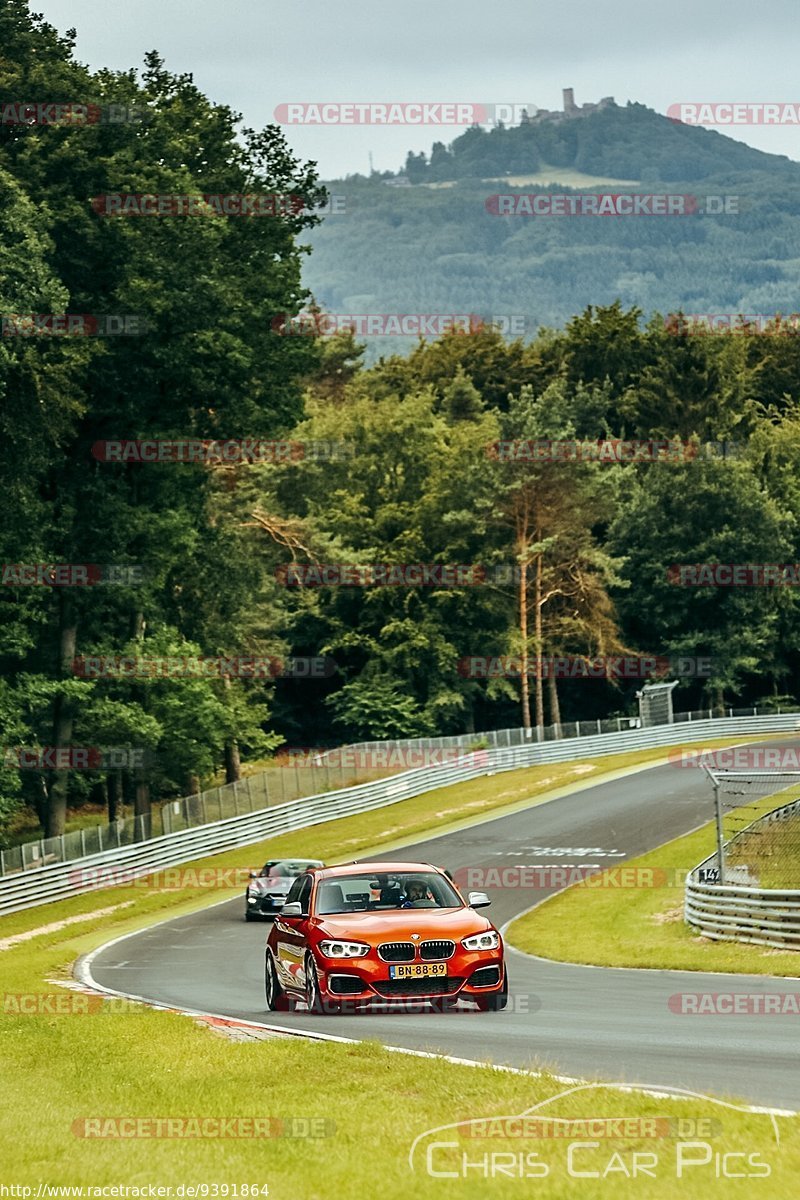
333,949
482,941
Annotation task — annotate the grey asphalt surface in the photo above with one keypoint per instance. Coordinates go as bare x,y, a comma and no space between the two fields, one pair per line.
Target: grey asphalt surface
593,1023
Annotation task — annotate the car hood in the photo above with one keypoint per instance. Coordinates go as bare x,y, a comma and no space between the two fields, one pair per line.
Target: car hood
397,926
267,883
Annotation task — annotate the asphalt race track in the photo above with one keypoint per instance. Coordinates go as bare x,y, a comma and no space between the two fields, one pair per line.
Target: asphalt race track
588,1022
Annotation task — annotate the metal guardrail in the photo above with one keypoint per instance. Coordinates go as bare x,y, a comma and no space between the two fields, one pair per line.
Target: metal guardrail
271,786
58,880
524,736
734,912
306,774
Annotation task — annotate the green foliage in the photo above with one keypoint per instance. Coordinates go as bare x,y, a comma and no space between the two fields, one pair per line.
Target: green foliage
567,558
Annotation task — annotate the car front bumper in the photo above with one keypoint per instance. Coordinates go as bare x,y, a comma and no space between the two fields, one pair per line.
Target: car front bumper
470,975
264,905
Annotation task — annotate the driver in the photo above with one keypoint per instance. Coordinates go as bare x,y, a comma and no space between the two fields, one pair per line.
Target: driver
415,891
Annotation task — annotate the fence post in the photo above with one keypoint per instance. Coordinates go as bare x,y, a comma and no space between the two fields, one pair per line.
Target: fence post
720,841
578,728
599,730
83,842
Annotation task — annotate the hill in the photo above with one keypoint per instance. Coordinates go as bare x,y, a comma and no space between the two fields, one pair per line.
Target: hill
431,246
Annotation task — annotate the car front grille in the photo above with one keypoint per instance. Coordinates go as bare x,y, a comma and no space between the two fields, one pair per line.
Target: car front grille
437,950
396,951
434,985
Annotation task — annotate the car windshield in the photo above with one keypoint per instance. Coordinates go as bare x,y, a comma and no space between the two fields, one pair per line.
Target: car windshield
377,892
287,868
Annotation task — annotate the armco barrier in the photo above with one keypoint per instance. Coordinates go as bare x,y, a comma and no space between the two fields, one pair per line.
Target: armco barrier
731,912
58,880
308,773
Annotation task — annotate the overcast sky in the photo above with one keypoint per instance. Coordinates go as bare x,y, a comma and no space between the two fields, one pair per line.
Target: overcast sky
257,54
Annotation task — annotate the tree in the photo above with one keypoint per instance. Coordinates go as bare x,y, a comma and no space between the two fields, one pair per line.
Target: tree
550,510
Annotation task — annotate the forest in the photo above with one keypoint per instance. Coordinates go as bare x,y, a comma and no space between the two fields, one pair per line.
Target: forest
376,524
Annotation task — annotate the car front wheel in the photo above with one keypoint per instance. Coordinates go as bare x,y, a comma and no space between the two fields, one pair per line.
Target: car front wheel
277,1000
314,998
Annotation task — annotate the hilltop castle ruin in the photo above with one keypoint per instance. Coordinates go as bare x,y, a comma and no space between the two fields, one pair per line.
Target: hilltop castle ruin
570,110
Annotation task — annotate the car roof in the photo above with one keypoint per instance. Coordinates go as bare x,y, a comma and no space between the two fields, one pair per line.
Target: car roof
297,858
373,868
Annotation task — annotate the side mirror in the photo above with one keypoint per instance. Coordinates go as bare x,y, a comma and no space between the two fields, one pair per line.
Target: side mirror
254,874
478,900
295,909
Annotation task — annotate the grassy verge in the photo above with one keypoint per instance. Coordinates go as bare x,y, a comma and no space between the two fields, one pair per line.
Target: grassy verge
642,926
62,1069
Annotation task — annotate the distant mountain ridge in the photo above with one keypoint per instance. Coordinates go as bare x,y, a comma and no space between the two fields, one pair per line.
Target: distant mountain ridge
431,246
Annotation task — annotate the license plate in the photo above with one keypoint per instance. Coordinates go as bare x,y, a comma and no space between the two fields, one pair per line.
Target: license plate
417,970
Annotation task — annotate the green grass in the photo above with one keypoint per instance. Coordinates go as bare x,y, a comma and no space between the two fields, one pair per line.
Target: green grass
772,854
59,1069
644,926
